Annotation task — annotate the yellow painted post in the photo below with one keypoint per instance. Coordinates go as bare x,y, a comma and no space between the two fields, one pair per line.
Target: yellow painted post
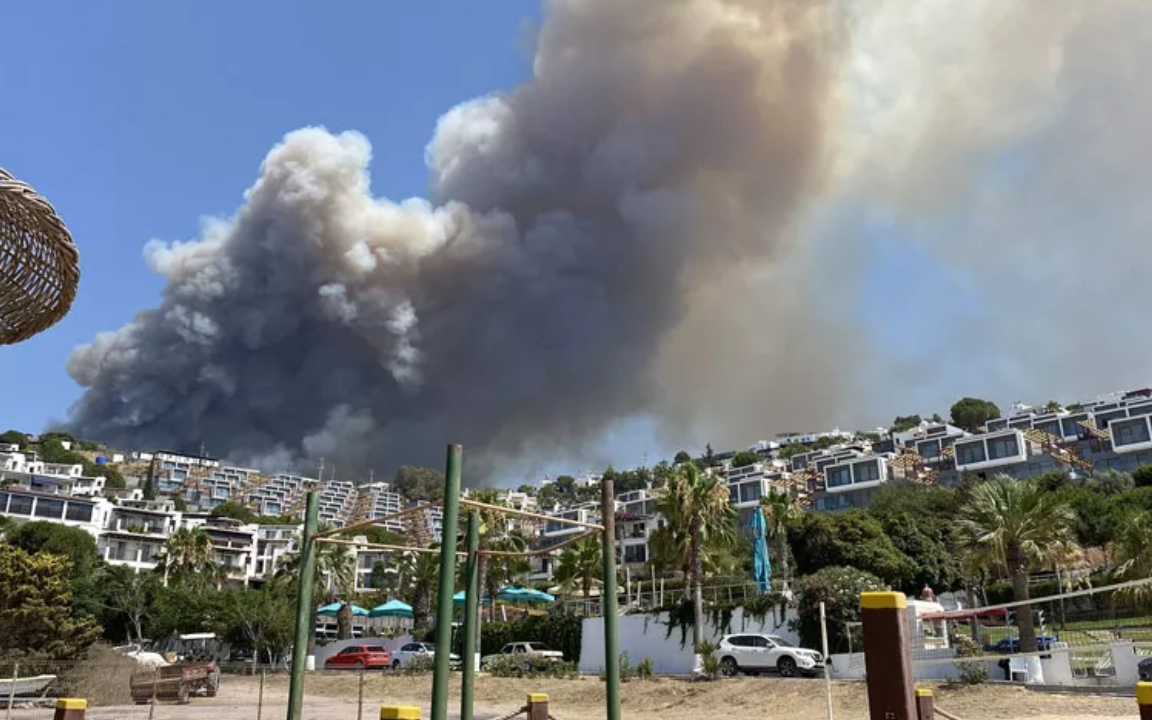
537,706
887,663
399,712
1144,700
70,709
925,704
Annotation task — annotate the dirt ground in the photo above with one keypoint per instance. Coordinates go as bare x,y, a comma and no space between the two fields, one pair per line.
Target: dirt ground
334,697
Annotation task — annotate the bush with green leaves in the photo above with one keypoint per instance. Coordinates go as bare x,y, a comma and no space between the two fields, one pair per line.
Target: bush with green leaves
528,666
418,665
971,673
839,588
644,669
709,663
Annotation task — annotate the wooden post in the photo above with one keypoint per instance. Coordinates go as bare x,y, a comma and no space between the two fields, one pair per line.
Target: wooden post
70,709
1144,700
887,663
925,704
537,706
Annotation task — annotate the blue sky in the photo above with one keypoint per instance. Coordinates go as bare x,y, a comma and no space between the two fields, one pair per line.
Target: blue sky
136,119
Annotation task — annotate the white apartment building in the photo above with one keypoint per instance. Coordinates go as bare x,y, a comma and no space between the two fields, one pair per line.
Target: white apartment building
135,536
88,514
272,542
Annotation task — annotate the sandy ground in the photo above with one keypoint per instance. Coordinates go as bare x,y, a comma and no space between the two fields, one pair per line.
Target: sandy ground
335,697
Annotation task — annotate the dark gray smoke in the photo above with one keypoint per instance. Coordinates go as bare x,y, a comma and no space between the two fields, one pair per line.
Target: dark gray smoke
659,145
666,221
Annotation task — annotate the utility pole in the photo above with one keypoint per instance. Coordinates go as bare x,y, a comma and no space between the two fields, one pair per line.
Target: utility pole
442,669
304,607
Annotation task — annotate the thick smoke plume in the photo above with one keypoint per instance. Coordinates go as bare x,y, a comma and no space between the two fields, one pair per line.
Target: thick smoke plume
524,309
669,219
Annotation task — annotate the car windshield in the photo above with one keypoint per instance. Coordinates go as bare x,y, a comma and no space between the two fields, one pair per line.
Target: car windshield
780,641
428,648
375,649
539,647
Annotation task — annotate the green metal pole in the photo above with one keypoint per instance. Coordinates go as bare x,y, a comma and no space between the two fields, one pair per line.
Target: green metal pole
471,616
303,607
608,599
443,668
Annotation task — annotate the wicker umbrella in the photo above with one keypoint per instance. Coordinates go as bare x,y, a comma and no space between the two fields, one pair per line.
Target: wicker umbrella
39,265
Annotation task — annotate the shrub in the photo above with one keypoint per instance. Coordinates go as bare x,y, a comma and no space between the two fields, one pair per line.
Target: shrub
971,673
644,669
839,589
511,666
418,665
709,663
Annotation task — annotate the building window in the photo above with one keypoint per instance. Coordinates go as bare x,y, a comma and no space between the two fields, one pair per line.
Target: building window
1002,447
969,453
1071,425
635,553
867,472
839,476
733,493
1139,410
78,512
750,492
50,509
1130,432
20,505
929,449
1052,427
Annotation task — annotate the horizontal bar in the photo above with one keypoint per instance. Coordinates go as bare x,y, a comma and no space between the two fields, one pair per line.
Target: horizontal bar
536,553
381,546
523,513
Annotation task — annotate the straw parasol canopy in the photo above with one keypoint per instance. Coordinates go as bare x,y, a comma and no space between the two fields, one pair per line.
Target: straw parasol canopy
39,265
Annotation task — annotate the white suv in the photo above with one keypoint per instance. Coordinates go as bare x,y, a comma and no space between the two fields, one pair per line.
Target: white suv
411,651
754,654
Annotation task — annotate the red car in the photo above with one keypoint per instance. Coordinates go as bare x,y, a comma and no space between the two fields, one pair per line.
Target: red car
359,657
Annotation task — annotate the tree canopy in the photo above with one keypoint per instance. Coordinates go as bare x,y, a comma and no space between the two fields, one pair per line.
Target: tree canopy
36,608
419,484
972,413
745,458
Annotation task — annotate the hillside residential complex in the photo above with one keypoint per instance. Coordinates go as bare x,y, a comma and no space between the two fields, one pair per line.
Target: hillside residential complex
1110,433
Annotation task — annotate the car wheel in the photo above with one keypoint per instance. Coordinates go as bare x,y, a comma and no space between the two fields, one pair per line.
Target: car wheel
360,665
728,667
786,667
395,664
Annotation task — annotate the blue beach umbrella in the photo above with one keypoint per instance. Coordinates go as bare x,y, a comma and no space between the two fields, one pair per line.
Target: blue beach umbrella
761,565
333,609
392,608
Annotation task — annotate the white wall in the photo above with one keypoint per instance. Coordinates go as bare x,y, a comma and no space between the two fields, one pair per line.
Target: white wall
643,636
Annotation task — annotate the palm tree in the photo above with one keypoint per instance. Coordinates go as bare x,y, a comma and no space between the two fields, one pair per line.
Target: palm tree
582,563
696,506
335,568
1018,524
187,557
781,512
1133,550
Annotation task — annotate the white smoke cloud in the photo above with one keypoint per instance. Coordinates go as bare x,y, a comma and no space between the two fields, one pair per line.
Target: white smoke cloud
661,222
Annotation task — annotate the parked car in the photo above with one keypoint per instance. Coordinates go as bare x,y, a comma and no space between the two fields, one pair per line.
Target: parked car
412,651
359,657
532,650
1012,645
754,654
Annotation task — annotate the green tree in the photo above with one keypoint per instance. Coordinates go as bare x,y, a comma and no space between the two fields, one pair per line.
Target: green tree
696,504
581,564
904,423
839,588
180,504
1133,549
850,539
1142,476
1020,525
1052,406
261,620
15,437
745,458
187,558
149,488
335,568
235,511
125,597
682,457
781,512
72,543
36,608
972,413
419,484
6,524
